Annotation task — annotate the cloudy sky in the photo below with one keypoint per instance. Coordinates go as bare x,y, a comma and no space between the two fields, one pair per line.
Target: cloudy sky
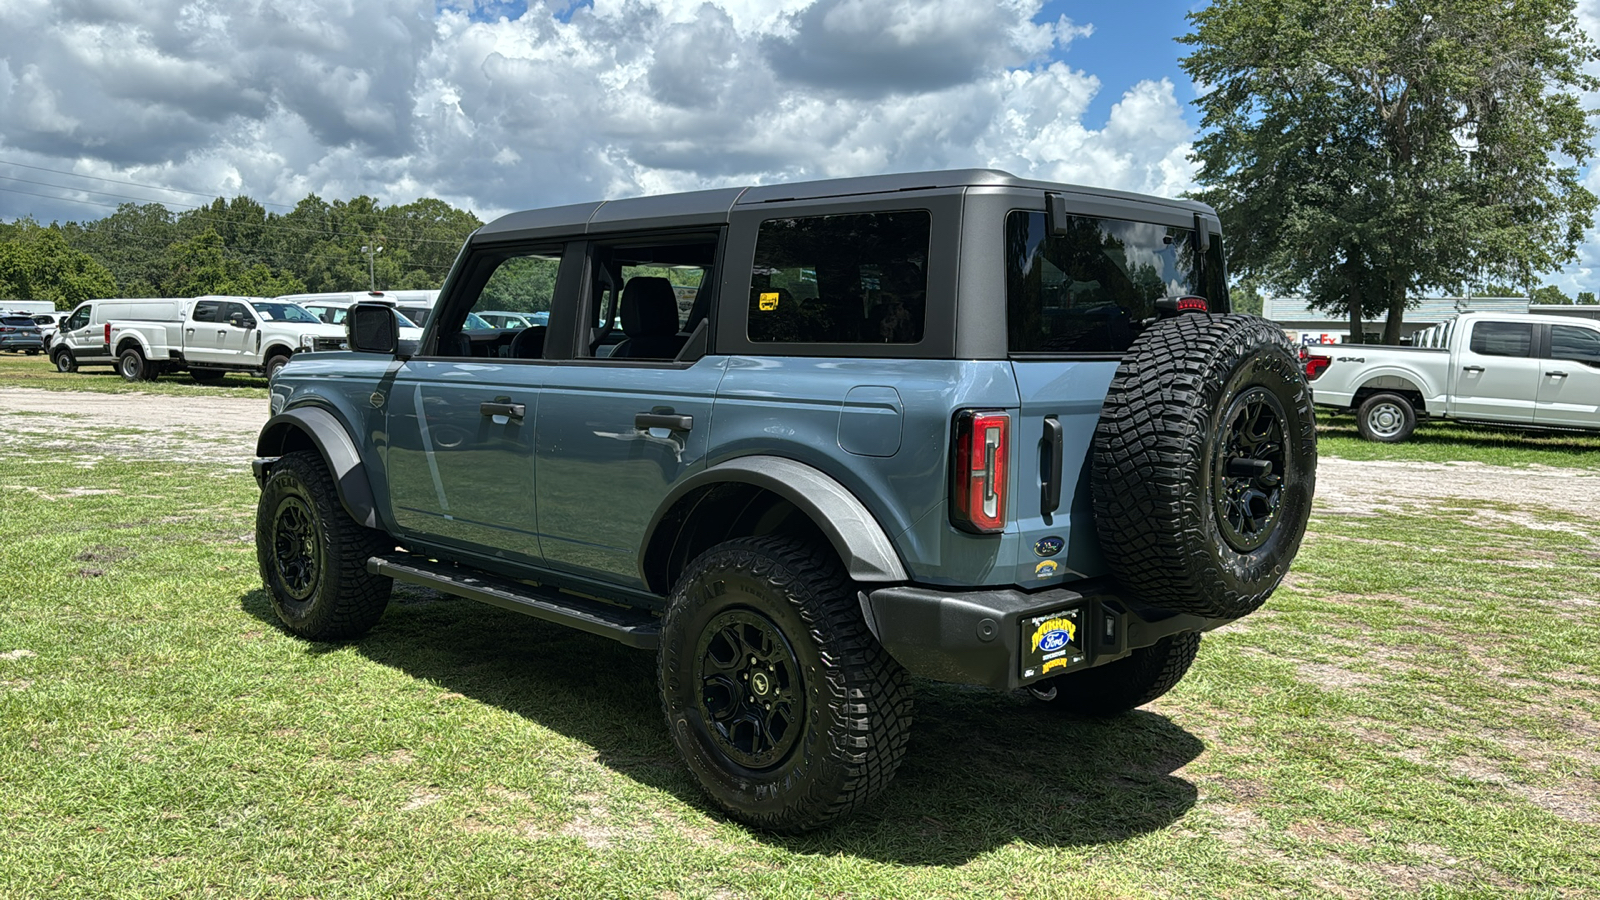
495,106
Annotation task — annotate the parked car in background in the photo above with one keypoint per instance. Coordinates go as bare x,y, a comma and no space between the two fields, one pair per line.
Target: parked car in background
334,309
1501,369
501,318
84,338
49,324
219,335
20,334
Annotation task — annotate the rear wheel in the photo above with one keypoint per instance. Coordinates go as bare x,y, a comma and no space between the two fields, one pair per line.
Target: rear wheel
786,709
1130,682
313,556
1386,418
132,366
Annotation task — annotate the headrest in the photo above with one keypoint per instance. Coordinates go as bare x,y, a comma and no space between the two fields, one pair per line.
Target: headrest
649,307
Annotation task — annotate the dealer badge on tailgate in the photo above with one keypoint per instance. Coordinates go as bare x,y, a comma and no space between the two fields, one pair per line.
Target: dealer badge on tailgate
1051,643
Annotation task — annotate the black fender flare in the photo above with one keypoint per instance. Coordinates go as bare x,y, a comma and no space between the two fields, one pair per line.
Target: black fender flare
338,450
862,544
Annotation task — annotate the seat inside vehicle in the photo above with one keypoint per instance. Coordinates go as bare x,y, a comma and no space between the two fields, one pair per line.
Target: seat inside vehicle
649,319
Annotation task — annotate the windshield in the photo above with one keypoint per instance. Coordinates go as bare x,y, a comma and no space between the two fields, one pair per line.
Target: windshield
1094,288
475,323
401,320
285,312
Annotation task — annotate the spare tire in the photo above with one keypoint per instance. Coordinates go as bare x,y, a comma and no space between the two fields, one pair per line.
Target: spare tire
1204,465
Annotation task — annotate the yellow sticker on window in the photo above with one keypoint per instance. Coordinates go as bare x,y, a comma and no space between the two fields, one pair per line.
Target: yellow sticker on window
767,302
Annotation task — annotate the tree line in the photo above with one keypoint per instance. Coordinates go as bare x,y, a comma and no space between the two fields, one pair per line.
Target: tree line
233,247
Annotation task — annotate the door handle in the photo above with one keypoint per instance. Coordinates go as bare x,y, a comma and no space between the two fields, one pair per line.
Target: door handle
669,421
1556,374
1054,438
503,408
1472,368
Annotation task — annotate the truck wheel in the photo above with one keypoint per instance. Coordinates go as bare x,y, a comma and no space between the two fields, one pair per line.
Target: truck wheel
134,367
274,364
207,376
1386,418
313,556
1204,465
1128,683
784,706
64,360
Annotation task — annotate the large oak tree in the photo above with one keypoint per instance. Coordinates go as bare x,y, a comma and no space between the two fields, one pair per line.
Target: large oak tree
1363,151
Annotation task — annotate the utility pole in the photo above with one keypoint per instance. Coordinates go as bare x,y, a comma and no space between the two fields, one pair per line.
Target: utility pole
371,250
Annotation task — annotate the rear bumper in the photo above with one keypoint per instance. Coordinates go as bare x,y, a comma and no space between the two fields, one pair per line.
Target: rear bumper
983,637
21,343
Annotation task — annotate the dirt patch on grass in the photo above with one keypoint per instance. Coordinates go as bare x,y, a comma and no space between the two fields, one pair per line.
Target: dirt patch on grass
1349,487
86,427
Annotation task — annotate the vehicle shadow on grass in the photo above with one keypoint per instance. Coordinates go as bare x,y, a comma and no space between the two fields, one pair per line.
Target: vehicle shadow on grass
983,769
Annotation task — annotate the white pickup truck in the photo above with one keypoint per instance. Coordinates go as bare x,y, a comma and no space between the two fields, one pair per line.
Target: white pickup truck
1524,370
218,335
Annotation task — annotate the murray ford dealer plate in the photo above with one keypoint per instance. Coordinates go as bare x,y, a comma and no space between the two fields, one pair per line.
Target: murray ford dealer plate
1052,643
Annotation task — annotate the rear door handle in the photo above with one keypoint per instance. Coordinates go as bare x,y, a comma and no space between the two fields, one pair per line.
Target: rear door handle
1054,438
1472,368
1556,374
502,408
670,421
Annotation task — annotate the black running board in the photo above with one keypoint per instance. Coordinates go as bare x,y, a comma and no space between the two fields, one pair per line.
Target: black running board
630,627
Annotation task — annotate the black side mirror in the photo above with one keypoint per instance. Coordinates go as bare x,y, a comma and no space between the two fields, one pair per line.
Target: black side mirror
372,328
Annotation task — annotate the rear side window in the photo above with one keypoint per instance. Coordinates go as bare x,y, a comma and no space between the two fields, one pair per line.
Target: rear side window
1094,288
1502,339
849,279
206,311
1575,343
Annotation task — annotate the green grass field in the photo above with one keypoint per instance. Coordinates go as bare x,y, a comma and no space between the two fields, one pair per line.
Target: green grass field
18,370
1417,713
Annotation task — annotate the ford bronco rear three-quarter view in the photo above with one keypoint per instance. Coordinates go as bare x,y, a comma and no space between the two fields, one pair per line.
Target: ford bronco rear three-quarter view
805,441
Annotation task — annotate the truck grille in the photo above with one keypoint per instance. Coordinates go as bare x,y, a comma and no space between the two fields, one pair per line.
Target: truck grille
322,344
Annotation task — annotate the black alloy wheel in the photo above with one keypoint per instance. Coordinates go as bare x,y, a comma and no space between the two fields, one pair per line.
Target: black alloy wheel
296,547
1247,475
752,691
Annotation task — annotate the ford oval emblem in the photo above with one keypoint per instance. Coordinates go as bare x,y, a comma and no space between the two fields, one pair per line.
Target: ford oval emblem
1048,546
1054,640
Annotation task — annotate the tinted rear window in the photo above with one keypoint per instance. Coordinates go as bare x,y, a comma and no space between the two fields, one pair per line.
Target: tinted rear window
1502,338
1094,288
851,279
17,321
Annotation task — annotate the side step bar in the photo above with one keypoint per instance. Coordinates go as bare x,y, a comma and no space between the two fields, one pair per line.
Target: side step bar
630,627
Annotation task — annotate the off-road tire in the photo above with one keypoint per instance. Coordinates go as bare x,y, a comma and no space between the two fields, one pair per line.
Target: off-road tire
1176,531
207,376
274,364
64,360
850,702
313,556
132,366
1128,683
1386,418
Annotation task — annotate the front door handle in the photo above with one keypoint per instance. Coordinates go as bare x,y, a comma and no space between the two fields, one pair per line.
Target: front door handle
670,421
503,408
1556,374
1473,369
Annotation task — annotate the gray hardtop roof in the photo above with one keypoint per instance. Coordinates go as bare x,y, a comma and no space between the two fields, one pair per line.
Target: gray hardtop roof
712,207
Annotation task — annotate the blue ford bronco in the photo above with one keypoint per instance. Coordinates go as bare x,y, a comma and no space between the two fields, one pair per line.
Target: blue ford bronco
804,441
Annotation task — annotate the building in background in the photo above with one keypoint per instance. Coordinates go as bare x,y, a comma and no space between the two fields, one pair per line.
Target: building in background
1309,326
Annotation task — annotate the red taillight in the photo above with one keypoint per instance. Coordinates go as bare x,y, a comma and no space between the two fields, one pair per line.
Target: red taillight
978,489
108,332
1316,365
1193,304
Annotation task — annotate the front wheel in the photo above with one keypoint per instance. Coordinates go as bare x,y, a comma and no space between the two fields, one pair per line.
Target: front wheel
1386,418
786,709
64,361
313,556
274,364
1130,682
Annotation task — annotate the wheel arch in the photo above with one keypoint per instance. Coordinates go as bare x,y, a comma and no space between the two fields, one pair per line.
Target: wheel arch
131,340
1393,381
276,348
755,495
314,428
